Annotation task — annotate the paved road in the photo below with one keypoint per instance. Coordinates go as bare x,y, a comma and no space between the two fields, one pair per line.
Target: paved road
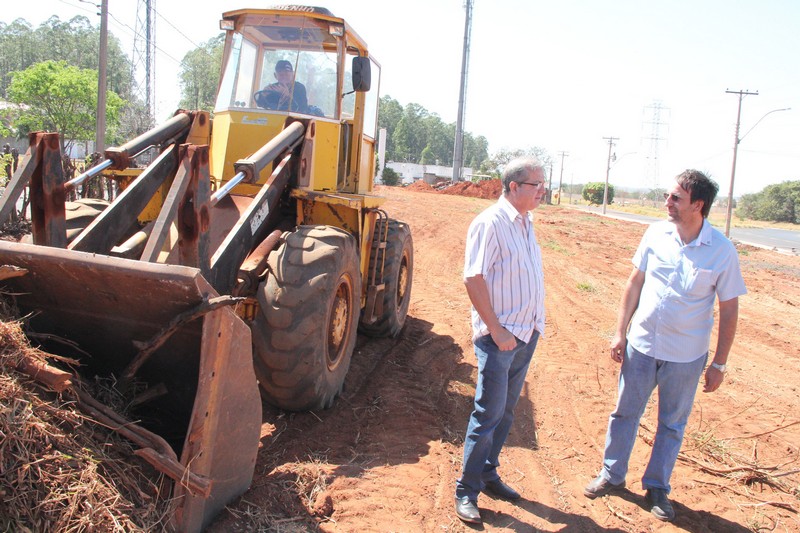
781,240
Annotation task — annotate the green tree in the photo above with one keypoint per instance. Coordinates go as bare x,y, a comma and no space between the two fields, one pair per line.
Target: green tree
776,203
199,74
390,177
409,135
413,134
503,157
593,192
389,114
438,141
476,150
62,98
427,156
74,41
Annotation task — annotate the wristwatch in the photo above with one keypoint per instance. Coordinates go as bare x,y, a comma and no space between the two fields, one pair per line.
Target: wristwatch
719,367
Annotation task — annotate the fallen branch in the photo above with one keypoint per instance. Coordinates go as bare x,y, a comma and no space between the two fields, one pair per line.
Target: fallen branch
781,505
11,271
766,432
58,380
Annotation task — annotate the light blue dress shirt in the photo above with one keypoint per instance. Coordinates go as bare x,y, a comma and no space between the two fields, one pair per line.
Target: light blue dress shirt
675,315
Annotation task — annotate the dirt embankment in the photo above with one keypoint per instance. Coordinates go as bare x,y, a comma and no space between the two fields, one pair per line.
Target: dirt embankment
386,456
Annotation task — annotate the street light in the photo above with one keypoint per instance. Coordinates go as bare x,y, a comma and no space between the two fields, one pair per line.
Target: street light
737,140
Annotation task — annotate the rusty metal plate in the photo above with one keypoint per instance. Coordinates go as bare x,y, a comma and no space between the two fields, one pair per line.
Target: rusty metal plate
210,412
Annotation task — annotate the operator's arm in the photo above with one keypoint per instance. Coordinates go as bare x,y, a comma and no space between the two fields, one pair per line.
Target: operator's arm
629,303
728,317
479,296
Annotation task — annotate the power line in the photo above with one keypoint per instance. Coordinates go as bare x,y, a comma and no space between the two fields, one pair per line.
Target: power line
134,33
165,19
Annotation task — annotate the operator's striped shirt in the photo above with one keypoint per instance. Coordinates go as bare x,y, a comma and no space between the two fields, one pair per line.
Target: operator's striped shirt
501,246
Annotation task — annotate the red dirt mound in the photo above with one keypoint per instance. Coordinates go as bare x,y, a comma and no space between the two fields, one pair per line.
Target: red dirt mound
489,189
420,186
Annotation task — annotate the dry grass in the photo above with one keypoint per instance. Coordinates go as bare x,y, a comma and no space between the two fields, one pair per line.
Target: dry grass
59,471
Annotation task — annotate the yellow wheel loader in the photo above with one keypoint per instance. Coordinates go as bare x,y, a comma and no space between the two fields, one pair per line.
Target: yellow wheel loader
238,264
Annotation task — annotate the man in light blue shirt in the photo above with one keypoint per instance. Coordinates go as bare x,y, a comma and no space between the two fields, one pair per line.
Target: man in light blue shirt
681,266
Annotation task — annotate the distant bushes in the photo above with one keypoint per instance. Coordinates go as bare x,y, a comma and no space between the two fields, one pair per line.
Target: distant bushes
593,192
390,177
776,203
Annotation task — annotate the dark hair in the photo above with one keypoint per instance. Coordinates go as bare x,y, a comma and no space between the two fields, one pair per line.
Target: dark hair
283,65
518,169
700,187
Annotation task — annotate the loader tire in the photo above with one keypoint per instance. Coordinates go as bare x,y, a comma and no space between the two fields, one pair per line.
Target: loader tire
305,334
398,275
82,212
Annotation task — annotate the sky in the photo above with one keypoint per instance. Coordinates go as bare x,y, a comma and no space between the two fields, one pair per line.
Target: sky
564,75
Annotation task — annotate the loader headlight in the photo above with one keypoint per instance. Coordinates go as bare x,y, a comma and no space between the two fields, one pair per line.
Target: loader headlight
226,25
335,30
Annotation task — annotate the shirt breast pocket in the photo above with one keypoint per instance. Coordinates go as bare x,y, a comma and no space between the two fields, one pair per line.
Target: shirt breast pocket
699,282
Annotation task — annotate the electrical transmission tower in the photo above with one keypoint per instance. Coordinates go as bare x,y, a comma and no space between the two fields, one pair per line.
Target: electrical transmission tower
144,58
655,127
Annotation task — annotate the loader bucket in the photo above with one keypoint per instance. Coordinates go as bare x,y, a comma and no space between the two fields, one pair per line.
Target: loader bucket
197,389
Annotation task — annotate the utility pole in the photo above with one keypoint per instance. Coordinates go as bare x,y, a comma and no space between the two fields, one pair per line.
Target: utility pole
550,186
561,176
100,132
458,148
735,150
608,170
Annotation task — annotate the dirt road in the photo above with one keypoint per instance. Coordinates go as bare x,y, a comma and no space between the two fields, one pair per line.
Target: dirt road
386,456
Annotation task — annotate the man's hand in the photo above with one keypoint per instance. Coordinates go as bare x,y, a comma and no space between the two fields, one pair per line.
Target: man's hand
504,339
618,346
714,378
278,88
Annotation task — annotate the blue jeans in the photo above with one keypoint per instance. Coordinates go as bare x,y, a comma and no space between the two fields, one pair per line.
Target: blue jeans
501,375
677,384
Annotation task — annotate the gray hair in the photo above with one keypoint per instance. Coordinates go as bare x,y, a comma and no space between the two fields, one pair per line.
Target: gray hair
518,169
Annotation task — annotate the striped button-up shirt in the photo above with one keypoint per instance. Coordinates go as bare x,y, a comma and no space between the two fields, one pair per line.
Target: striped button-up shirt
501,247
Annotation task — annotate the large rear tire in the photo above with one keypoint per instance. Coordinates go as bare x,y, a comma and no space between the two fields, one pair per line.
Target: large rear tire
398,275
82,212
305,334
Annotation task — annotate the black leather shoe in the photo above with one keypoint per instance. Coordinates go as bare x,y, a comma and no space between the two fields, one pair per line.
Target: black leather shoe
467,510
600,486
501,490
660,505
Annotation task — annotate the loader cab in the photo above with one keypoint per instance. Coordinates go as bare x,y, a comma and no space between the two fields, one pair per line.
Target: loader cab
299,63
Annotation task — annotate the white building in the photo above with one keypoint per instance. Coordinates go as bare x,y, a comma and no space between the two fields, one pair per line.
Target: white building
411,172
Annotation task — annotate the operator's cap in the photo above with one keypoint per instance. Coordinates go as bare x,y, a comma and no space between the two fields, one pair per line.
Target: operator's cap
283,65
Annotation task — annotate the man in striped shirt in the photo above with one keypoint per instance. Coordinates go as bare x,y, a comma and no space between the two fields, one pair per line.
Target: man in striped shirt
504,280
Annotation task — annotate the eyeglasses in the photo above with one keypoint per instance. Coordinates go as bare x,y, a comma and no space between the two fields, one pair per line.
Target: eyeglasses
536,184
672,196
